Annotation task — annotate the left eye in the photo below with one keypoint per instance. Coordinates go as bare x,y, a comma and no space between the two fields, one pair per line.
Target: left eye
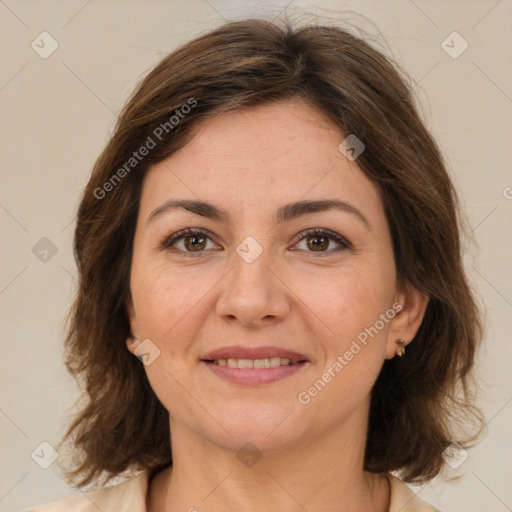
319,239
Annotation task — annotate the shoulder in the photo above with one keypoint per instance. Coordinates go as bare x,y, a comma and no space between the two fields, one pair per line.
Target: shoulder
403,499
129,496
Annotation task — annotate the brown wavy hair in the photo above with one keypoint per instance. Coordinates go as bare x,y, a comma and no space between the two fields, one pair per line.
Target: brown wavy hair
420,402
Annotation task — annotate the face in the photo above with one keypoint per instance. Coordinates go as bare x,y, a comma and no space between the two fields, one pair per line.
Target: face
260,282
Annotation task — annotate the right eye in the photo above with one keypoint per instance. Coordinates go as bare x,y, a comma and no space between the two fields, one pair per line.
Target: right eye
193,240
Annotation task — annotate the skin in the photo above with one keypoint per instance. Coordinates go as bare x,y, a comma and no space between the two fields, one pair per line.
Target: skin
313,302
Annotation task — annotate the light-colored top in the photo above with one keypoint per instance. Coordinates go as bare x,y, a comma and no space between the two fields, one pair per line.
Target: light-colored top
130,496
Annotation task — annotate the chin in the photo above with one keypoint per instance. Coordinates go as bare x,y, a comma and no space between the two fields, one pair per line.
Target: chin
267,426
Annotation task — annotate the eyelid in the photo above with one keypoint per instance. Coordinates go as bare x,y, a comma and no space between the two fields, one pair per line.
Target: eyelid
342,242
174,237
339,239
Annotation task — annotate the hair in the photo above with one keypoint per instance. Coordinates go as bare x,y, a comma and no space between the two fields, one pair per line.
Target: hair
417,400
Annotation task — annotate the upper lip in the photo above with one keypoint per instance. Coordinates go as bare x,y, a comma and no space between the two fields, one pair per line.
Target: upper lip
239,352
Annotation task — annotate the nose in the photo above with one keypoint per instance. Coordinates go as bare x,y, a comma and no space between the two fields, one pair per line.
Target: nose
253,293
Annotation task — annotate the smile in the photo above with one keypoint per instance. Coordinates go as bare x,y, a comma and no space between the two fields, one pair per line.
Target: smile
254,372
250,365
267,362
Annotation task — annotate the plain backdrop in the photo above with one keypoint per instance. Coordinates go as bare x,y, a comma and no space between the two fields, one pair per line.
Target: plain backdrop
58,110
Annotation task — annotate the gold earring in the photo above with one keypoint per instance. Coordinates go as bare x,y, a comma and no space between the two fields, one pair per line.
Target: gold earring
400,351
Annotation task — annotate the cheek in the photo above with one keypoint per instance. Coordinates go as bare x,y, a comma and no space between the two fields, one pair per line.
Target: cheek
346,299
166,299
169,310
349,305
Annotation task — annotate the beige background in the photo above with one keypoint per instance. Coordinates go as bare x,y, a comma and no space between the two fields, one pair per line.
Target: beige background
57,113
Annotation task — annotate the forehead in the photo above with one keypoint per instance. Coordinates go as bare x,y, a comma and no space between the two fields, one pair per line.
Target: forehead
262,157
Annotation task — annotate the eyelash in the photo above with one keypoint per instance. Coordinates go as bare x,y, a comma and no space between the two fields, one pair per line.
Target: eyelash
307,233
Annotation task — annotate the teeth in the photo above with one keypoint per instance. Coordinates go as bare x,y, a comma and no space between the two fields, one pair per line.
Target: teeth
268,362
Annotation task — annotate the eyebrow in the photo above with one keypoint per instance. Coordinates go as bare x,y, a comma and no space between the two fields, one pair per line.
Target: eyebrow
285,213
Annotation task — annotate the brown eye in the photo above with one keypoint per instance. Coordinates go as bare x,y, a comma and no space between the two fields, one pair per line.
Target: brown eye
187,242
194,242
318,241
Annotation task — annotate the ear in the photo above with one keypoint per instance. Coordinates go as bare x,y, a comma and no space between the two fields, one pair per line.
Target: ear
407,321
133,341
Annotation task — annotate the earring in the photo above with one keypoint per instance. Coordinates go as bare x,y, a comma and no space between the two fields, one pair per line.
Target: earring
400,351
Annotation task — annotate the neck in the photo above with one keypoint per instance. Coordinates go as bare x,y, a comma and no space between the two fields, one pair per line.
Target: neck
312,473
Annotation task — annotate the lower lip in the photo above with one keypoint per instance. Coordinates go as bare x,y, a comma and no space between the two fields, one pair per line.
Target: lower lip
252,376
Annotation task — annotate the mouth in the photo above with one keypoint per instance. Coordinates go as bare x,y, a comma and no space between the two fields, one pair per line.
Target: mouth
254,366
267,362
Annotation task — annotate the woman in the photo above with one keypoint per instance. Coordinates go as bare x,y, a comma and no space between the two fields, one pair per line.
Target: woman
272,311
